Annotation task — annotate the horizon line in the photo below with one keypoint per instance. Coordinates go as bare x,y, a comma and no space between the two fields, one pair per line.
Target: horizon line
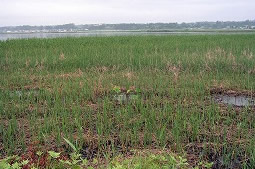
253,20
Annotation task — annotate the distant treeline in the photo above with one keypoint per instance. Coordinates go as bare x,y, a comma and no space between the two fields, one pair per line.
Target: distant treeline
248,24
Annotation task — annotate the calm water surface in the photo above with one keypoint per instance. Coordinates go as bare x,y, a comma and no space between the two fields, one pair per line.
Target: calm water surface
6,36
235,100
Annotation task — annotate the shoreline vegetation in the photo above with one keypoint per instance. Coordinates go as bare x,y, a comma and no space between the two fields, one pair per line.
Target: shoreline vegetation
127,101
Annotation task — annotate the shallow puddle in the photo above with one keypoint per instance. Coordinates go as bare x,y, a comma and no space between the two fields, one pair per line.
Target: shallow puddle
124,98
21,93
235,100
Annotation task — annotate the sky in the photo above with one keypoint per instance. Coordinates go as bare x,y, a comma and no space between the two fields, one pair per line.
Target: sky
53,12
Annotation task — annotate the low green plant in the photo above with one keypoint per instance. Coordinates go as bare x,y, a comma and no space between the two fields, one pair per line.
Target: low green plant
204,164
116,89
150,161
12,162
76,161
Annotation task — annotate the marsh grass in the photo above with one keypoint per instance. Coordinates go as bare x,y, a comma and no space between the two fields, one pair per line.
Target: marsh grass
74,78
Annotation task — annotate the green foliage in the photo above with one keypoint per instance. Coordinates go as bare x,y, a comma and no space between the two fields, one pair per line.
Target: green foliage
116,89
150,161
54,154
39,153
52,88
16,163
205,164
137,161
71,145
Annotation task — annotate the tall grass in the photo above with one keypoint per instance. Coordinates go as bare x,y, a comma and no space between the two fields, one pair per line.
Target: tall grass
55,88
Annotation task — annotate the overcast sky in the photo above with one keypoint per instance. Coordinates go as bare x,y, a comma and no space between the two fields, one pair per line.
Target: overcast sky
51,12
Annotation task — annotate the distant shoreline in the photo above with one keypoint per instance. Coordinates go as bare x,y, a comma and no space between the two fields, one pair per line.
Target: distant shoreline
145,31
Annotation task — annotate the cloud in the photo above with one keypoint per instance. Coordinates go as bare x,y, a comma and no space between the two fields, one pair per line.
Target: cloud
37,12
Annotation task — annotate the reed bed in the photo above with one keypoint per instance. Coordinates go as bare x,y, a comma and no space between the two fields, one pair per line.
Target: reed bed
52,89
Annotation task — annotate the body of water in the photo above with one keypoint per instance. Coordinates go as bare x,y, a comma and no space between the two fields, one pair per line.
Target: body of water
6,36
